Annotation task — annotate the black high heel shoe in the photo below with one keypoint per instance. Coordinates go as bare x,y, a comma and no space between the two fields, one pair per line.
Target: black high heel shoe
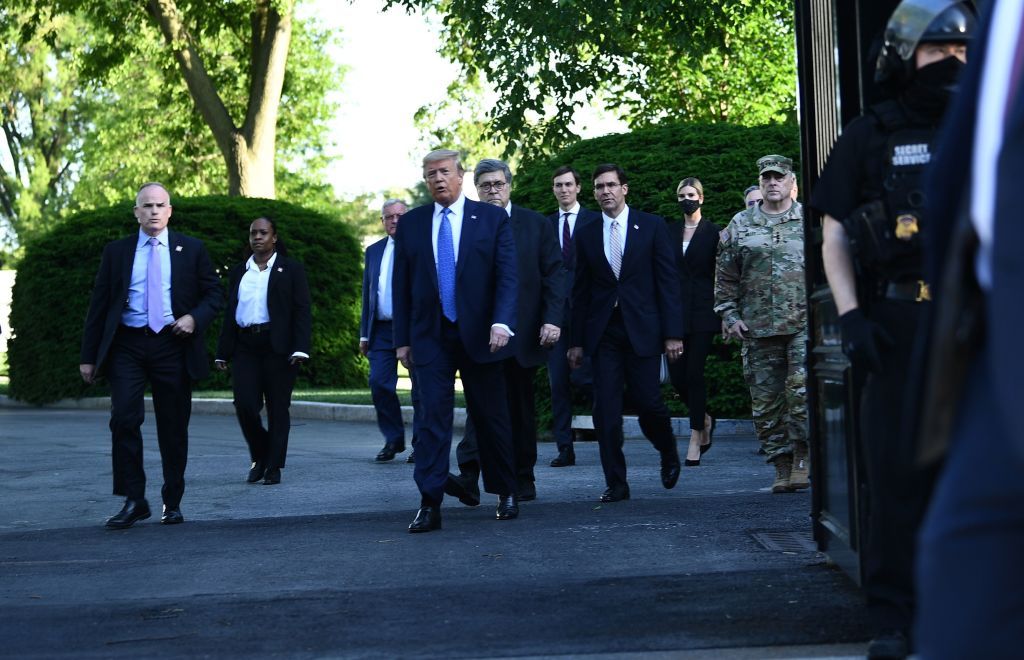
711,438
688,463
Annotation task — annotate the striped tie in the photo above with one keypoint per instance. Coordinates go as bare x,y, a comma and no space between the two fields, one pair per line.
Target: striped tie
615,249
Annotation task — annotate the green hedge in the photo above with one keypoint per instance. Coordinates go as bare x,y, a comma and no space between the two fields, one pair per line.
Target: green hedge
723,157
55,278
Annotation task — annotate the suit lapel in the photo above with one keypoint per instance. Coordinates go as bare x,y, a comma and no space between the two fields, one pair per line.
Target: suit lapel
635,230
468,235
174,244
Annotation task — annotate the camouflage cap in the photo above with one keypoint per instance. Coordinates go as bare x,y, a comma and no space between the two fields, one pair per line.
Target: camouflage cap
774,163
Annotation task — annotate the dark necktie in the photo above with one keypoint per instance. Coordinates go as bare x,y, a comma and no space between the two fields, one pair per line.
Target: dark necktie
566,240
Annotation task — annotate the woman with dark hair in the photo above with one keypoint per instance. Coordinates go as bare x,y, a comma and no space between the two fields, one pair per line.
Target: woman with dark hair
695,258
267,332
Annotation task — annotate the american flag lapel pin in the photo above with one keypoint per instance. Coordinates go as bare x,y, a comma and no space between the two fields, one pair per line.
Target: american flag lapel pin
280,270
636,226
473,217
177,248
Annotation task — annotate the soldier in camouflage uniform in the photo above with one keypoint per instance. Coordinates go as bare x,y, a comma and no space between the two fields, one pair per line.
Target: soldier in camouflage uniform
760,295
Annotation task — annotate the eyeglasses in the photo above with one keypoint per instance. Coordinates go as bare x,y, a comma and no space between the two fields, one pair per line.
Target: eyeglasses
753,202
496,186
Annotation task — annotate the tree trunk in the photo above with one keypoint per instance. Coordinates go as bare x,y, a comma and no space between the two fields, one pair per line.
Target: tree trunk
248,151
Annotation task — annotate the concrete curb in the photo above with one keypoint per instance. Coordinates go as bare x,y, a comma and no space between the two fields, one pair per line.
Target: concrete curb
347,412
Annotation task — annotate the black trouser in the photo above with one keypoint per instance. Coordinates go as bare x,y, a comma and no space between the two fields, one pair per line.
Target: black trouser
137,356
258,375
519,393
898,490
616,366
687,374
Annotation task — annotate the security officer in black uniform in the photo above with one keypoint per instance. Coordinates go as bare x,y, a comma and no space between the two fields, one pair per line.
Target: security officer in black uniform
871,198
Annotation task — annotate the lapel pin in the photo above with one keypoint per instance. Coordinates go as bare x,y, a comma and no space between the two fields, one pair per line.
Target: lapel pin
177,248
280,270
636,226
473,217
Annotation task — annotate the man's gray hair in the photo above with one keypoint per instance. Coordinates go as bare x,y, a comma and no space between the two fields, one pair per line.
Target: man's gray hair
149,184
444,154
488,165
391,202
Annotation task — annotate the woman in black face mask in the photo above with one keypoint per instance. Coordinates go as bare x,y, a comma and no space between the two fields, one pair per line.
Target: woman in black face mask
695,259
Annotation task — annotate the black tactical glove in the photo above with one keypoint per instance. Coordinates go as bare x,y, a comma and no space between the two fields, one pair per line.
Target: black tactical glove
862,339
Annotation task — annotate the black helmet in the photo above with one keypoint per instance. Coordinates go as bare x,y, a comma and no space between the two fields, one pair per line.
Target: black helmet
915,22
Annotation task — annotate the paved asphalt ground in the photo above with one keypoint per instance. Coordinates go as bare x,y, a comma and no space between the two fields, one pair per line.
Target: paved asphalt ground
322,565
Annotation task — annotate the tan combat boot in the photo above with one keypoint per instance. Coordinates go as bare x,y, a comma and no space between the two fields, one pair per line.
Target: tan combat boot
798,479
783,469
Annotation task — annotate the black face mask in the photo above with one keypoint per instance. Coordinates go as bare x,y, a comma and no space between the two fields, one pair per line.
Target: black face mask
689,206
932,87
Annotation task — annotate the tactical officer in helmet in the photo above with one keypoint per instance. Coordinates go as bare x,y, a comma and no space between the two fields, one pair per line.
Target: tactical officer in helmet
871,198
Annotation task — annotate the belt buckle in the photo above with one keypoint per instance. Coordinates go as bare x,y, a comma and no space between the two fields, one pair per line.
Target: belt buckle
923,292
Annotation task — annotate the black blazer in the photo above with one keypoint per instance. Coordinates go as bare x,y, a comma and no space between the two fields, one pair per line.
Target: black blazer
647,289
584,217
195,290
697,275
542,283
371,273
291,322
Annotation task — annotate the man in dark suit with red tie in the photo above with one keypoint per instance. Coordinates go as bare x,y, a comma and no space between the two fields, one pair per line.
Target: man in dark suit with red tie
969,567
155,294
569,218
626,312
455,309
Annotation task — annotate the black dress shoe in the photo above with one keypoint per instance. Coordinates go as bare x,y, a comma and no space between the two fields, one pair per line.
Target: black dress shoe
132,512
456,486
412,457
565,458
428,518
172,516
389,451
692,462
255,473
508,507
615,493
527,491
272,476
670,467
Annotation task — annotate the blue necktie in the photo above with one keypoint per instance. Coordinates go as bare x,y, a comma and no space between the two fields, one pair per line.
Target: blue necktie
446,266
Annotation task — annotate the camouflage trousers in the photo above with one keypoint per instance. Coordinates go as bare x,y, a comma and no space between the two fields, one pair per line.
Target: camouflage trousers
775,369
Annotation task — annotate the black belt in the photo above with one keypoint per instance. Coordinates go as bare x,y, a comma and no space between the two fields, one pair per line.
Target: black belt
144,330
914,291
254,329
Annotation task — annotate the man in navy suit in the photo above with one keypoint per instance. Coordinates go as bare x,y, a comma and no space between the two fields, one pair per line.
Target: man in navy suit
376,334
570,217
541,299
969,566
626,312
154,296
455,309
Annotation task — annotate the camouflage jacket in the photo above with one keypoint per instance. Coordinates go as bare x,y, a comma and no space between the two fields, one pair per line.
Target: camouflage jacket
760,272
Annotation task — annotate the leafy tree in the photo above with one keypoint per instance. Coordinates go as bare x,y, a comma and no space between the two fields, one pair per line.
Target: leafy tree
231,55
44,115
721,60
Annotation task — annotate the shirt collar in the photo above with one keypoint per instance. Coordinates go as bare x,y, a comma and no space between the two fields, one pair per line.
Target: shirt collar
621,217
161,238
574,209
456,207
251,263
508,209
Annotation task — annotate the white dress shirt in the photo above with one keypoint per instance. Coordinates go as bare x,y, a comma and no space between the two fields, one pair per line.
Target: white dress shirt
574,213
383,294
252,294
989,128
